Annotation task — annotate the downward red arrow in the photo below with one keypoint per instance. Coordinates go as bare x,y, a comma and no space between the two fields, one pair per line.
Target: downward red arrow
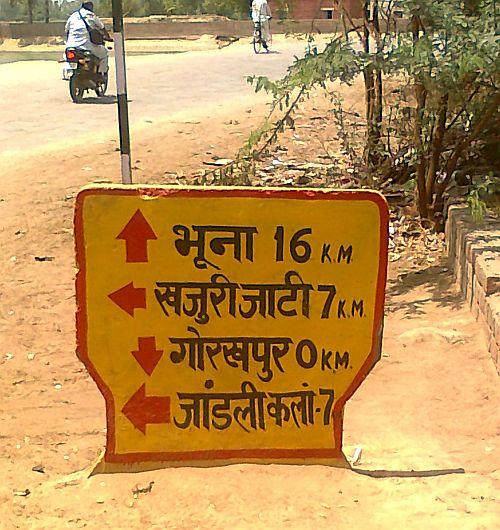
141,409
129,298
147,355
136,234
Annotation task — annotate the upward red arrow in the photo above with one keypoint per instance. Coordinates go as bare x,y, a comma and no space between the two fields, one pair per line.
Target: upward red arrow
129,298
136,234
141,409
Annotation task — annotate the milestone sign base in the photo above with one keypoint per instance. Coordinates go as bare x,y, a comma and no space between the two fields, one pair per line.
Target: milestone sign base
228,325
103,466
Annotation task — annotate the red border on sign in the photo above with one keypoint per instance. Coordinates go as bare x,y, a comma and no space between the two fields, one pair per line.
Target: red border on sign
228,454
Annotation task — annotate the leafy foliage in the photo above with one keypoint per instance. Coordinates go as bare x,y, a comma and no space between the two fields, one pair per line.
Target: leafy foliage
29,10
479,196
439,126
19,9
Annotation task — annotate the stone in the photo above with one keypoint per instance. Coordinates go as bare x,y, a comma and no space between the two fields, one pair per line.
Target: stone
488,272
430,334
492,305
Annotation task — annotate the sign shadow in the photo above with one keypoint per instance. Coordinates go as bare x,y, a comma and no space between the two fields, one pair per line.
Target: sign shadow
386,473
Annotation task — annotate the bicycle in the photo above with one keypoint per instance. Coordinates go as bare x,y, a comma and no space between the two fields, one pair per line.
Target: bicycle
258,42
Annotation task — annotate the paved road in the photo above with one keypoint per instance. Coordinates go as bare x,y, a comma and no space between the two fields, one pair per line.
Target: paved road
35,108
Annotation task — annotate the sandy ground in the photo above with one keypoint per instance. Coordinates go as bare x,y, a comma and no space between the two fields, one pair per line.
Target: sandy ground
426,418
188,43
201,43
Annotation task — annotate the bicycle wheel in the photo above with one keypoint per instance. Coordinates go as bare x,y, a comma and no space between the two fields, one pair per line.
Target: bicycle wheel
265,34
257,42
270,40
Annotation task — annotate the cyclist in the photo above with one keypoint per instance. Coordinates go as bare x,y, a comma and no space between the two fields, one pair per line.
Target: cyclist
261,15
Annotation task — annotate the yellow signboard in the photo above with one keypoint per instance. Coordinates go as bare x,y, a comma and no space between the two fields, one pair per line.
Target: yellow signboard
228,324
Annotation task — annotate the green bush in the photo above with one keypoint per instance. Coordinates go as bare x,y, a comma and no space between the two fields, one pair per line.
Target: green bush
439,127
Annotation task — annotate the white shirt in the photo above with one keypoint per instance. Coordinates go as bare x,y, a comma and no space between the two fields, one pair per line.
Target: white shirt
78,34
260,10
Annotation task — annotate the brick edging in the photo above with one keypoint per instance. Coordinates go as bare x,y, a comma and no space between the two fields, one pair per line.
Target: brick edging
474,256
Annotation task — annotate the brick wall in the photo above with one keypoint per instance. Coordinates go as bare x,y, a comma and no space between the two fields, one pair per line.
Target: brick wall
311,9
167,29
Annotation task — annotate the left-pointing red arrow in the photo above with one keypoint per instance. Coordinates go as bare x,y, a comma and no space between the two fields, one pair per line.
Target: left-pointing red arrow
136,234
141,409
129,298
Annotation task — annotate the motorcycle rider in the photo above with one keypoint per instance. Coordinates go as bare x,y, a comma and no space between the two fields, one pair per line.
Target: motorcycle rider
78,29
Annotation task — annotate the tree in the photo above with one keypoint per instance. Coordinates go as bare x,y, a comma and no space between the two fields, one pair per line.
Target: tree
440,126
27,9
452,60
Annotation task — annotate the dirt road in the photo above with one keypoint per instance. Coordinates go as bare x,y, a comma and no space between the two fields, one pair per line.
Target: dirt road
35,109
426,418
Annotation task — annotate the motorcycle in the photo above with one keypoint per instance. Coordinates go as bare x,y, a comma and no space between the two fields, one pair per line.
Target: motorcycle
83,74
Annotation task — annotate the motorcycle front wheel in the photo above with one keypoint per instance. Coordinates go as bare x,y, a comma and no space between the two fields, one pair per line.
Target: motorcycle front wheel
75,90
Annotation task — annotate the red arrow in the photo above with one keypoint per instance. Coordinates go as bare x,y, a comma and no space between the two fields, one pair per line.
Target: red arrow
129,298
141,410
136,234
147,355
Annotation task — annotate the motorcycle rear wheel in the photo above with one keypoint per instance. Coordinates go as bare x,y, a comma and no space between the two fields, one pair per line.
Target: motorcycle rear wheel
75,90
102,87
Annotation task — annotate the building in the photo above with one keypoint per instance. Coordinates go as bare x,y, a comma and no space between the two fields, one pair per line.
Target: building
314,9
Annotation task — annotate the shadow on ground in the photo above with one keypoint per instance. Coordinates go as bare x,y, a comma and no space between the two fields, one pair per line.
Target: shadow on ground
384,473
438,285
104,100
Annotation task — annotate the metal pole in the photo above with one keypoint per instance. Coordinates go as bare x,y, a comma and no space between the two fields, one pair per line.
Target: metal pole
121,90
